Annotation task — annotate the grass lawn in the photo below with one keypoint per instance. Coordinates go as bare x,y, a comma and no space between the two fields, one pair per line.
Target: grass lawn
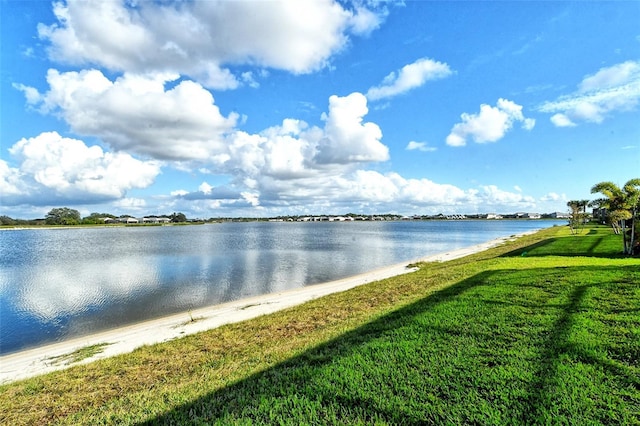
544,330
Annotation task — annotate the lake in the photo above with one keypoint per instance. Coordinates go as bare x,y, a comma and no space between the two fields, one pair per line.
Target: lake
57,284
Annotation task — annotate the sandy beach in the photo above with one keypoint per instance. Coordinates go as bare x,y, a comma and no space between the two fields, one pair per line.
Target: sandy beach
41,360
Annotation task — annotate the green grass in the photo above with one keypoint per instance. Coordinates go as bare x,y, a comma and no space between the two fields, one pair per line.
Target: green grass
79,354
496,338
598,241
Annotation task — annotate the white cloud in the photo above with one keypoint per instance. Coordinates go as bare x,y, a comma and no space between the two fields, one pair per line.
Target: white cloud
364,20
205,188
249,79
529,123
253,198
611,77
346,139
136,113
294,150
201,37
10,181
370,186
490,124
31,94
130,204
409,77
420,146
52,168
372,191
179,193
561,120
493,195
425,193
611,89
552,196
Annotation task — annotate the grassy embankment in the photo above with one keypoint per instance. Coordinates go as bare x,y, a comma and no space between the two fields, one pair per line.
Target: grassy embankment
544,330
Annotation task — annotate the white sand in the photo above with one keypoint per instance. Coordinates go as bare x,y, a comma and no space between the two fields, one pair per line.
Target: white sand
122,340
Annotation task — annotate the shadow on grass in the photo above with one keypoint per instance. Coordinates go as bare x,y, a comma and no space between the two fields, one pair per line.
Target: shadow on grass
586,245
409,368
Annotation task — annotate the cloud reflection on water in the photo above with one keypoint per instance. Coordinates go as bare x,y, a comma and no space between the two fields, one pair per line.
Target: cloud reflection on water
63,283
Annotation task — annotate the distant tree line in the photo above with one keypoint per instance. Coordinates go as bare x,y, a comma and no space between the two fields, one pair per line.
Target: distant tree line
69,217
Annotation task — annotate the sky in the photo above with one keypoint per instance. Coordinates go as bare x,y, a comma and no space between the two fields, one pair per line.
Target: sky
269,108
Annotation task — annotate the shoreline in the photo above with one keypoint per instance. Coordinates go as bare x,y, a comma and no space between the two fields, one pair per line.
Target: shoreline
44,359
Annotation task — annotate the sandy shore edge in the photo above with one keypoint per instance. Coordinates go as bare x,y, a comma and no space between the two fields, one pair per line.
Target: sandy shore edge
41,360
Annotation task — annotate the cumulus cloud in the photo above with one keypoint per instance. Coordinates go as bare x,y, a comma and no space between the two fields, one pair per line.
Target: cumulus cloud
425,193
295,151
53,168
136,113
199,38
371,191
420,146
11,184
373,188
128,203
493,195
611,89
409,77
346,139
490,124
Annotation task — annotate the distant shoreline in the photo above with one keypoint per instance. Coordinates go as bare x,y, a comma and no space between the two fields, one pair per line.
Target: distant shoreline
87,226
155,225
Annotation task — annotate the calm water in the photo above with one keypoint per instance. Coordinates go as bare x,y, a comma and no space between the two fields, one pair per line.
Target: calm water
61,283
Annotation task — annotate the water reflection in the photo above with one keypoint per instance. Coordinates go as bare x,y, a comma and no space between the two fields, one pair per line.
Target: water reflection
57,284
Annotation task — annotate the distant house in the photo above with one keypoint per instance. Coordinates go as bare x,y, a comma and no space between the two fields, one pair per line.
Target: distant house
153,219
600,214
491,216
559,215
532,216
458,217
340,219
128,220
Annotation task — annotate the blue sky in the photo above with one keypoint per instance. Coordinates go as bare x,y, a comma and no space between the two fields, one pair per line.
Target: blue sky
265,108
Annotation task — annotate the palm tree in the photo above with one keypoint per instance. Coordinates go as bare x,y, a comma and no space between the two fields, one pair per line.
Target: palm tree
583,205
578,210
623,205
